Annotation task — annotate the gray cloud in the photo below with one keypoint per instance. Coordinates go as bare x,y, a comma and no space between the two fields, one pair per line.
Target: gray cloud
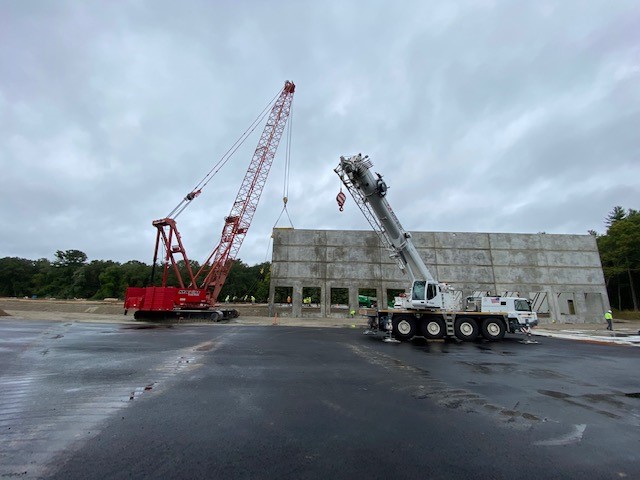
481,115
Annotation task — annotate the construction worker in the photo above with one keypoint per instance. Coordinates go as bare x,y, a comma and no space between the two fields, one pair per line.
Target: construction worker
609,318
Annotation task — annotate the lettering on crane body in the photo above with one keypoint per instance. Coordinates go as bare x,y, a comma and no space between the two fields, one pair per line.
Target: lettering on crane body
189,293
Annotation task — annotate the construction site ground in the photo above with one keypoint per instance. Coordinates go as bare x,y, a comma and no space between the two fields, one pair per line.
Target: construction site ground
626,332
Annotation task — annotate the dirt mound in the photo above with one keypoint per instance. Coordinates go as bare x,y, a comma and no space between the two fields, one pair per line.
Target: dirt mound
106,307
3,313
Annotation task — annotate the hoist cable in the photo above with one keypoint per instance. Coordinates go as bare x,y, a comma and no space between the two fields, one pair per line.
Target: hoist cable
223,160
266,254
287,168
287,172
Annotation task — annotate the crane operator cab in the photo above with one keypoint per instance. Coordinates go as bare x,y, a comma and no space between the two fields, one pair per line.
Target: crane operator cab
425,295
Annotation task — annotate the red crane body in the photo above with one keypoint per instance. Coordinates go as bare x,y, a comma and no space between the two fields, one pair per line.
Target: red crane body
196,296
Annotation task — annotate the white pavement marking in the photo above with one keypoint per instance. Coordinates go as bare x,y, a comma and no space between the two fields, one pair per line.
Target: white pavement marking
584,335
572,437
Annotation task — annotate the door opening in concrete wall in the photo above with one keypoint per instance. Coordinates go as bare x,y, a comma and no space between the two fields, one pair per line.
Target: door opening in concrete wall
283,295
339,300
392,293
311,296
367,297
571,307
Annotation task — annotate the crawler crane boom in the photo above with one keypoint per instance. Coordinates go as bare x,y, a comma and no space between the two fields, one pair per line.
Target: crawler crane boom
196,295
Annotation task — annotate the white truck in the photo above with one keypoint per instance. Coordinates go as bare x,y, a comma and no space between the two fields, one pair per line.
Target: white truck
431,309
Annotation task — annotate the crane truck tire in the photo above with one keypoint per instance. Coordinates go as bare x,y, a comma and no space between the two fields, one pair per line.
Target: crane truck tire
404,327
493,329
466,329
433,328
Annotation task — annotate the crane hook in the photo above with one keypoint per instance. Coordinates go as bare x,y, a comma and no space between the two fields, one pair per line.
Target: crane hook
341,198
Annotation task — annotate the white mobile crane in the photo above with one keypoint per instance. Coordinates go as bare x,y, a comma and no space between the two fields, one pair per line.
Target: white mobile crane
431,309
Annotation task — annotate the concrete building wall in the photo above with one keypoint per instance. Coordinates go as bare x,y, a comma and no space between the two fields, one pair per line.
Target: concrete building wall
561,273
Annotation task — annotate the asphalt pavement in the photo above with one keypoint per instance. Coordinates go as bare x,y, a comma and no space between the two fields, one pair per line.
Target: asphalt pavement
625,332
109,400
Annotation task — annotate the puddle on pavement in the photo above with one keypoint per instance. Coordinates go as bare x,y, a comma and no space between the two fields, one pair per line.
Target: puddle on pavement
551,393
145,327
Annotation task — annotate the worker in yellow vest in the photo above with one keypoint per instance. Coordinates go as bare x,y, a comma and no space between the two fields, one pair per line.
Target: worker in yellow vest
609,318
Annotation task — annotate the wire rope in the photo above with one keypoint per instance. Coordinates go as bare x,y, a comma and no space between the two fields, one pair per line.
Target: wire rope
223,160
287,173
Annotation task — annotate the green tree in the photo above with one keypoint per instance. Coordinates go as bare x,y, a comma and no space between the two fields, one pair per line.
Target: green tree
136,274
70,258
86,279
42,278
16,275
620,254
70,275
65,265
244,280
618,213
112,284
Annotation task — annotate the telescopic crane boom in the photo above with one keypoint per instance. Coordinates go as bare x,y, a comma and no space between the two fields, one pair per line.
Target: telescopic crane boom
369,192
432,309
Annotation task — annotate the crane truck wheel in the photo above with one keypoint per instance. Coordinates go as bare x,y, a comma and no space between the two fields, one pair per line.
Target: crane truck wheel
466,329
493,329
404,327
433,328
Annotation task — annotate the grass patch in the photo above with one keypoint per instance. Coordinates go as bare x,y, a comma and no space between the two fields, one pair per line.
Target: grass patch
626,315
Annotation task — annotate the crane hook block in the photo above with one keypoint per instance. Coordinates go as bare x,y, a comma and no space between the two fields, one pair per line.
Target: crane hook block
192,195
341,198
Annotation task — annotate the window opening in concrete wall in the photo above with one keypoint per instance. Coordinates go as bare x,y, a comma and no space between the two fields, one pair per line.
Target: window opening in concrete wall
311,296
339,300
283,295
539,303
566,303
392,293
367,297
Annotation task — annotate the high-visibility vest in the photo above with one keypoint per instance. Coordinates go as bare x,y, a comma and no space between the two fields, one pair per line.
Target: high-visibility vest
608,316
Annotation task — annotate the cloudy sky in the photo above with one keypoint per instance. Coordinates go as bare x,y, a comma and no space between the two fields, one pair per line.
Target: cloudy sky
483,116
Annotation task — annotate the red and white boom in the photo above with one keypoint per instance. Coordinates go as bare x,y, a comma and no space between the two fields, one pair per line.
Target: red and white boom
197,295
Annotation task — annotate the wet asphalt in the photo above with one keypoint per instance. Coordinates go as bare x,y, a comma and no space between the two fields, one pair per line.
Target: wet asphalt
82,400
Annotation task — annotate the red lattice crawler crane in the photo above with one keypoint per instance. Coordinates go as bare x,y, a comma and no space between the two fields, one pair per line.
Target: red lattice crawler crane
196,297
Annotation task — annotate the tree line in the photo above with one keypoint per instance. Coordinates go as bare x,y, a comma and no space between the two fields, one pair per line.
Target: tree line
619,251
71,275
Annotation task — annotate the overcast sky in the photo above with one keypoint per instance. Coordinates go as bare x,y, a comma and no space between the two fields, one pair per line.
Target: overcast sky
483,116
